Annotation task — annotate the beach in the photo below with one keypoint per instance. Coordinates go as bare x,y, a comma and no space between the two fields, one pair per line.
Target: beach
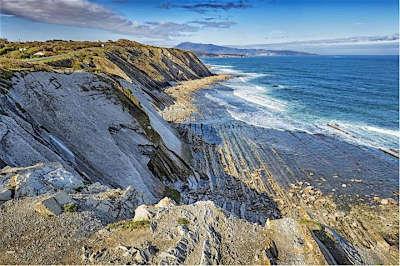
182,94
312,177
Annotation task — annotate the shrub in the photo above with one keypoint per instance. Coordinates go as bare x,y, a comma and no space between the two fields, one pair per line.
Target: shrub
130,224
70,207
183,221
314,225
173,194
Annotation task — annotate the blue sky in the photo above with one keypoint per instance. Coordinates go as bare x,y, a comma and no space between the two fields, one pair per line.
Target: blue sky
225,22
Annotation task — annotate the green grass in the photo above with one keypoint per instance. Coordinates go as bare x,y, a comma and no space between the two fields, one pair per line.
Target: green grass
130,225
70,207
311,224
183,221
173,194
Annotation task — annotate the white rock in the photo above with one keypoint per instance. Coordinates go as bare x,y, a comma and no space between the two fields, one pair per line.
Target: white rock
165,203
142,213
384,201
39,179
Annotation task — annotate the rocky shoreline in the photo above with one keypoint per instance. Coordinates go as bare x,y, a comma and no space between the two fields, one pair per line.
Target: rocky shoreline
325,182
92,172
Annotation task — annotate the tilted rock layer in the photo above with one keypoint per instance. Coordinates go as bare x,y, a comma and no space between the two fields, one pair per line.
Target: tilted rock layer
85,156
99,126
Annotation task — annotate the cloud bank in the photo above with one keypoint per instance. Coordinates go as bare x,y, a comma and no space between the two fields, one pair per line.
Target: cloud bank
211,23
206,6
349,40
361,45
82,13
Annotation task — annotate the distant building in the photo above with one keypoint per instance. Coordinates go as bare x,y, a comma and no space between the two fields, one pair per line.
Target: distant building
22,49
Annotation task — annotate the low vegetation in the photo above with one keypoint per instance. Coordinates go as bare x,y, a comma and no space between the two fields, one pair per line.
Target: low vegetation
312,225
70,207
183,221
96,57
173,194
130,225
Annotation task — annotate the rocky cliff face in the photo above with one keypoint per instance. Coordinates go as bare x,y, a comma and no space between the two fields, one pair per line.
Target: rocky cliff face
100,123
85,155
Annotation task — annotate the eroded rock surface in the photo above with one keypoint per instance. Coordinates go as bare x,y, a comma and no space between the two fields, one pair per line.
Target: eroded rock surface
85,156
199,233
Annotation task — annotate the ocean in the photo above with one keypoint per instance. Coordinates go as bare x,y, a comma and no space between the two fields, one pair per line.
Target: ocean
352,97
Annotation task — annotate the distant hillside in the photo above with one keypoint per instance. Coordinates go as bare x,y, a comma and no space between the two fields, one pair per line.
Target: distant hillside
224,51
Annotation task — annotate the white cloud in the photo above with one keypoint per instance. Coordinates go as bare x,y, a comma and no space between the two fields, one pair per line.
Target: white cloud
82,13
350,40
207,23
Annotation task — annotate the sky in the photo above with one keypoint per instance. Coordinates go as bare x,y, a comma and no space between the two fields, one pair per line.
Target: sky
327,26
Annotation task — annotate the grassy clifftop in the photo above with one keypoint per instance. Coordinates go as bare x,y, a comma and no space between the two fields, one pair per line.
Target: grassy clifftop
152,66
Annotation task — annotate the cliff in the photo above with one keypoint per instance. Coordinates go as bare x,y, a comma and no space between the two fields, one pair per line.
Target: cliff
93,108
91,173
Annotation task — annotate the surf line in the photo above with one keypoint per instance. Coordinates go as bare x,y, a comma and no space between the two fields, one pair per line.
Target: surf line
389,151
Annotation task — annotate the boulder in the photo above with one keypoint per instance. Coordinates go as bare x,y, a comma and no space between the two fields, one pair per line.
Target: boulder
142,213
109,205
384,201
165,203
63,198
48,207
5,194
294,241
39,179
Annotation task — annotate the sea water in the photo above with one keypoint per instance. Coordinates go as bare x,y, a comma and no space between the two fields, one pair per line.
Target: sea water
353,97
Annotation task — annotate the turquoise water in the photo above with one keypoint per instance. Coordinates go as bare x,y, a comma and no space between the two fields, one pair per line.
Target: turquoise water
357,94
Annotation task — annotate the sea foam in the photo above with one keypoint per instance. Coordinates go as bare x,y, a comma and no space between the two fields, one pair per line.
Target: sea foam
264,110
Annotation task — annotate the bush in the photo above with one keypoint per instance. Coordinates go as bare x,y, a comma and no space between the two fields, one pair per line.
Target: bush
173,194
70,207
183,221
130,225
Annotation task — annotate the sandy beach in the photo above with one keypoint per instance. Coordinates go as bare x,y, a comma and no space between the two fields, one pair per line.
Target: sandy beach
182,94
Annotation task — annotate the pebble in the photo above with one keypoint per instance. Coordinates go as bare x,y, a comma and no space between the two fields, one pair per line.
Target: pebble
384,201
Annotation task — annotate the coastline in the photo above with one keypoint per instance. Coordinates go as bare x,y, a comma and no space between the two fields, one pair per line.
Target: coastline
270,97
192,106
321,180
115,183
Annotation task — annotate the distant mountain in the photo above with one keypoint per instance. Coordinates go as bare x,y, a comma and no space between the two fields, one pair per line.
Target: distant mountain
224,51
